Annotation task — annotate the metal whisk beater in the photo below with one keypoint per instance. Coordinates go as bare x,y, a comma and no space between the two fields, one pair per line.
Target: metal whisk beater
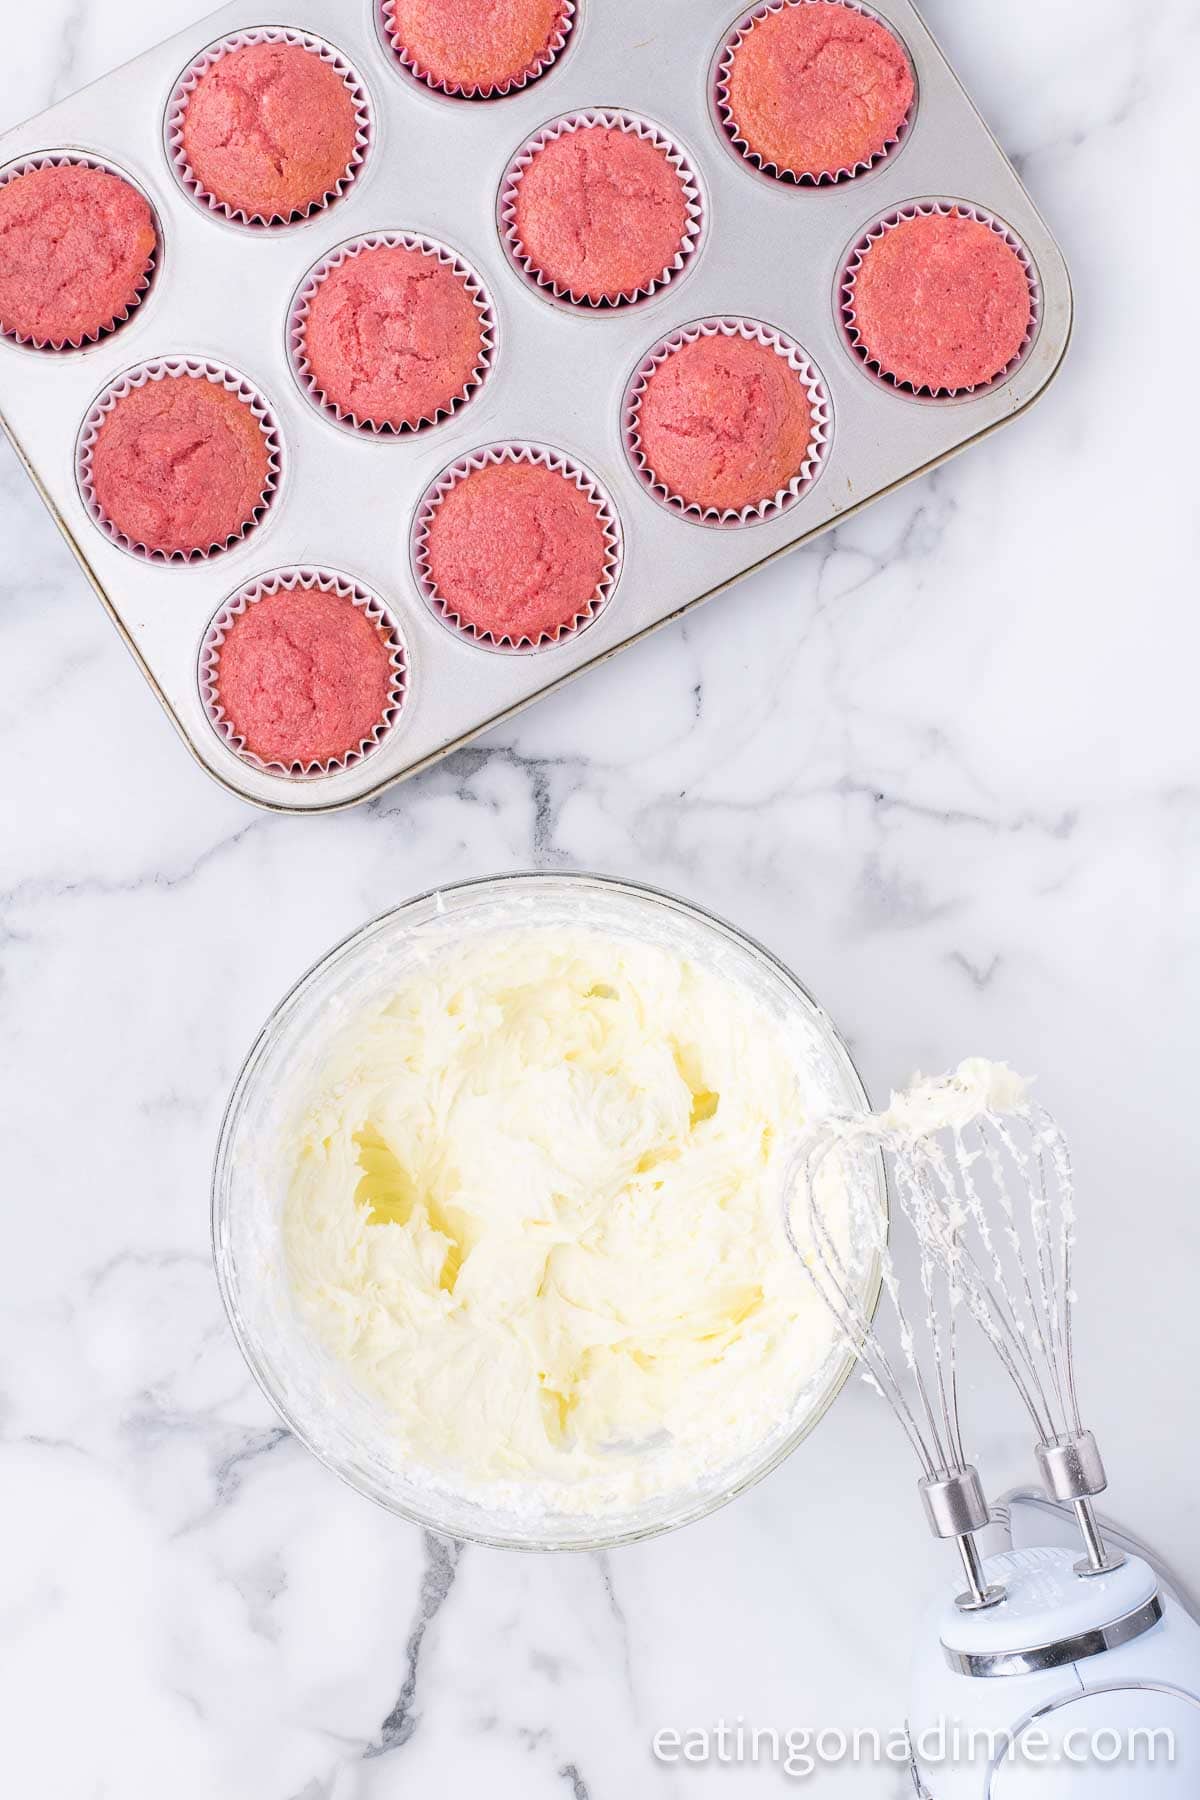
838,1230
994,1196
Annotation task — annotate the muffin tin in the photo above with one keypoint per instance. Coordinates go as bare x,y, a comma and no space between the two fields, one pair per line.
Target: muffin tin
771,254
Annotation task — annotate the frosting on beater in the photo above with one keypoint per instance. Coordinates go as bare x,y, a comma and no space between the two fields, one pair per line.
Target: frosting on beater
951,1102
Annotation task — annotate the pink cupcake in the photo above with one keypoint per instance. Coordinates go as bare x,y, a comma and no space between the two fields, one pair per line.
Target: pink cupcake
939,301
392,333
79,246
814,90
477,51
301,676
177,465
600,208
726,421
267,129
516,548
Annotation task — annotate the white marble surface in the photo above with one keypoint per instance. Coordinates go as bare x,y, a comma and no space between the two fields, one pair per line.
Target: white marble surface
944,763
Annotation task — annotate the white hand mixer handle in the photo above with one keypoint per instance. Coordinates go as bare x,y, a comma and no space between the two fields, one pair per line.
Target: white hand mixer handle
1039,1697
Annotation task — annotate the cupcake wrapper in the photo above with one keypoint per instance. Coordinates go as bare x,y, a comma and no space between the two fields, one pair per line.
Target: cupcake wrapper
385,18
638,126
298,320
852,263
546,457
185,87
289,579
818,400
196,369
724,114
57,159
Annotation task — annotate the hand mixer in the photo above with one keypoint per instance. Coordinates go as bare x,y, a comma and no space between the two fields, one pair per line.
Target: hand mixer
1048,1668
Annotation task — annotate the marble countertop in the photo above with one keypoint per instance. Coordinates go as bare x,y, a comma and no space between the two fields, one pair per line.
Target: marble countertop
944,763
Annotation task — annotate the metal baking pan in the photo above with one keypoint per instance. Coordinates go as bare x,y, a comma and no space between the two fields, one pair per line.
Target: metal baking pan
771,251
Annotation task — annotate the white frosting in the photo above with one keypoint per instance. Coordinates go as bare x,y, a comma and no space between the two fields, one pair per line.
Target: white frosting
535,1208
952,1102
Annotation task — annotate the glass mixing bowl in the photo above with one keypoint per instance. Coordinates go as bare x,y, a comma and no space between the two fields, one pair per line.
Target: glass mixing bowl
315,1397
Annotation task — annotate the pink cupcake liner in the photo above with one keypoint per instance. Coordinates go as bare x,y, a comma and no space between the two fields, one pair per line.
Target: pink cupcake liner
723,112
298,320
818,399
186,85
288,579
385,19
197,369
852,263
57,159
639,126
512,451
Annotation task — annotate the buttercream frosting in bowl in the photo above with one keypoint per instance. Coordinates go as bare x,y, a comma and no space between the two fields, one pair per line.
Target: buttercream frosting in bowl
498,1211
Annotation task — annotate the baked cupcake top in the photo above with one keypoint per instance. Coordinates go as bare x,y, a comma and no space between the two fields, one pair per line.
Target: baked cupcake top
76,248
303,676
517,551
600,212
724,422
270,129
180,464
941,302
393,336
816,88
477,46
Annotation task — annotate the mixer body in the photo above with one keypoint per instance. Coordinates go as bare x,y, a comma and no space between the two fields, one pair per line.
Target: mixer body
1073,1688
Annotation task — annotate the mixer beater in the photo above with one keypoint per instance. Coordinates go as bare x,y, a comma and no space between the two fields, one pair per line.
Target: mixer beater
910,1359
1010,1261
